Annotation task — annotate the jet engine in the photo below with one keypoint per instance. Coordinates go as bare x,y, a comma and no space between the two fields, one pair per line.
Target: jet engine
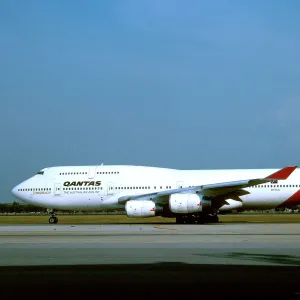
136,209
188,203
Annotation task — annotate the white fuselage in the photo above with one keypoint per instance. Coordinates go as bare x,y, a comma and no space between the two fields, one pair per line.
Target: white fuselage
100,187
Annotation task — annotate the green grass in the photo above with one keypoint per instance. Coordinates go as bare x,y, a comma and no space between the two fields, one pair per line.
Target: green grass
121,219
80,219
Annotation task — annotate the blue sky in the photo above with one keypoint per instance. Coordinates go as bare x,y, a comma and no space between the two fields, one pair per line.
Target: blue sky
179,84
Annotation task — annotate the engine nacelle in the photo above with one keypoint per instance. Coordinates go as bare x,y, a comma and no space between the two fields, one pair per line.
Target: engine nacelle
232,204
136,209
188,203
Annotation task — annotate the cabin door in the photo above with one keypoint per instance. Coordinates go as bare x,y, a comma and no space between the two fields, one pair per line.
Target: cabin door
92,172
57,189
179,184
110,188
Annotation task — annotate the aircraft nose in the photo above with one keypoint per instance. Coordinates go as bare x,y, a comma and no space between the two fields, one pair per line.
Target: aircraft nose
15,192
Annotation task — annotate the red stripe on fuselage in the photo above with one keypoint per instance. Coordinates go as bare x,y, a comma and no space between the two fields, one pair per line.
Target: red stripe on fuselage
292,201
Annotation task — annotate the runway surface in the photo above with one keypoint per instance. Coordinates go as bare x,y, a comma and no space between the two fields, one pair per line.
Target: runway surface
255,244
165,258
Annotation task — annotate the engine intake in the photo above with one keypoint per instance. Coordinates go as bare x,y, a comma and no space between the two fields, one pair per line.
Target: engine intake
188,203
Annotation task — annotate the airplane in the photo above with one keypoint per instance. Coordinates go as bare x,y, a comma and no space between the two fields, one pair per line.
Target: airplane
190,196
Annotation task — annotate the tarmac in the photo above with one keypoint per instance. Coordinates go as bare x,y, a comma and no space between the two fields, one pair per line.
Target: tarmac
255,244
208,255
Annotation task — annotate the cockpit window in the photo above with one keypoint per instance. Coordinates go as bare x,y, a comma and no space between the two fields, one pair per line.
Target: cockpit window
40,172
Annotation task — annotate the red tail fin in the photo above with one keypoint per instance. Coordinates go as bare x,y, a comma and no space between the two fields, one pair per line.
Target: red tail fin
283,173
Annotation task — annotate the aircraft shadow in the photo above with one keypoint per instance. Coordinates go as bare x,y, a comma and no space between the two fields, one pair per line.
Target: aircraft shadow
258,257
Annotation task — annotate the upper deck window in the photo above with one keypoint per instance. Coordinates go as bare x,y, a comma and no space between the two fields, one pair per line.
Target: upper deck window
40,172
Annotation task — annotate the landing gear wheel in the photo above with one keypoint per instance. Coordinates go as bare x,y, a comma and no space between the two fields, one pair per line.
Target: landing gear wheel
191,220
200,219
213,219
53,220
179,219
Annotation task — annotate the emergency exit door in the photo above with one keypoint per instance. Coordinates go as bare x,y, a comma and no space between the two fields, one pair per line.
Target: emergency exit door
92,172
57,189
179,184
110,188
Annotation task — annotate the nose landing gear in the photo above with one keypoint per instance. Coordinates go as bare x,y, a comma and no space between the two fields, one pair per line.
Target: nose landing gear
53,219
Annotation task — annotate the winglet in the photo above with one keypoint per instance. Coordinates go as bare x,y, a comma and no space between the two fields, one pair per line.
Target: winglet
283,173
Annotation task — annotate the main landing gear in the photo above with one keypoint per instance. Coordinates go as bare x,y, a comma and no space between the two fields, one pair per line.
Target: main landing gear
53,218
197,219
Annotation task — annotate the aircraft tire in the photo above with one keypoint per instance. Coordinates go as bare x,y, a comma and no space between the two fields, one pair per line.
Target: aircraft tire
179,219
52,220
